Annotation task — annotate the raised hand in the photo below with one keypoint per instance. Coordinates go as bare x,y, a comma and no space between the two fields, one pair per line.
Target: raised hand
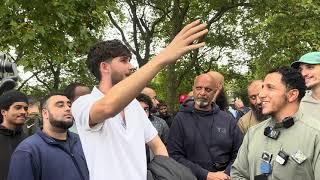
184,42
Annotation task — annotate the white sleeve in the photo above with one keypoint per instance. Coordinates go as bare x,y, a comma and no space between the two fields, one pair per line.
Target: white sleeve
81,109
149,130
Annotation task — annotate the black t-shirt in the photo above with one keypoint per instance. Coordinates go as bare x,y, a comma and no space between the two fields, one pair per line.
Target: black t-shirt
63,143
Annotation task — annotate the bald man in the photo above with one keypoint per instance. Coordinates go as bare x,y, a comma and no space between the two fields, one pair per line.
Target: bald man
254,116
220,97
218,76
202,137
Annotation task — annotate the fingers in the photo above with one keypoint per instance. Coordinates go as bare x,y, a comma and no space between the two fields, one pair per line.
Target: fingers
195,36
195,46
194,30
189,26
223,175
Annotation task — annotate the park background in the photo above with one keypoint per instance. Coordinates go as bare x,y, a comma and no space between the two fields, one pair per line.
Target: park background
49,39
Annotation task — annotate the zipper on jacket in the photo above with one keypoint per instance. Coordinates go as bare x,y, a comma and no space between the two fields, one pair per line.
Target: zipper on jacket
73,159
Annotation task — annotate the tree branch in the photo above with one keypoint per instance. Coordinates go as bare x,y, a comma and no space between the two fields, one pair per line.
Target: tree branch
121,32
25,81
44,83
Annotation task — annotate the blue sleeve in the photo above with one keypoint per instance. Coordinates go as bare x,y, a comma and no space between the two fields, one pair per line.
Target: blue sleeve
176,151
21,166
237,138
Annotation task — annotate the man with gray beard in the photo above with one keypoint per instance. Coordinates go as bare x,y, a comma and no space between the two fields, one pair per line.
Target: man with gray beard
52,152
254,116
202,137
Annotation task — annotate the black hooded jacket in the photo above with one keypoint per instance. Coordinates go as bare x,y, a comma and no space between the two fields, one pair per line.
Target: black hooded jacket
9,140
204,140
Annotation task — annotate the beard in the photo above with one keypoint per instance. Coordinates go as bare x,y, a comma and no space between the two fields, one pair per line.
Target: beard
258,113
202,103
153,110
116,77
60,123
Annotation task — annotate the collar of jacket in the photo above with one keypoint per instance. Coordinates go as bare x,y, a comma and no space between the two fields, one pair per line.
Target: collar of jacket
49,140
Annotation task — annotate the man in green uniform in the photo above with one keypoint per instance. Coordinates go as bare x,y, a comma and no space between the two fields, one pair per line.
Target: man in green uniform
287,145
309,66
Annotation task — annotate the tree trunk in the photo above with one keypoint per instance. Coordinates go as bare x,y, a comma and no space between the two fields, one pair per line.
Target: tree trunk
178,16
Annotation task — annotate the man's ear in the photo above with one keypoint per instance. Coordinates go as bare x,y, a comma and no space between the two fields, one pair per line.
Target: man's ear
3,111
104,67
44,113
292,95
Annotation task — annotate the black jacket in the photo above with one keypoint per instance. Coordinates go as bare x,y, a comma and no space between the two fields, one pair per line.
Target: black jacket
204,141
9,140
165,168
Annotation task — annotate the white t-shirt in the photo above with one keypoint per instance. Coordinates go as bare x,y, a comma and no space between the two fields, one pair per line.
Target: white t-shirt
114,151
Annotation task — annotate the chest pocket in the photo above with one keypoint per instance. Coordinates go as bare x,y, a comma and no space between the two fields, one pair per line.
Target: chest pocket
293,170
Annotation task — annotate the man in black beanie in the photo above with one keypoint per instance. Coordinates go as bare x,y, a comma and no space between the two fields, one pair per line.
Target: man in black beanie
13,107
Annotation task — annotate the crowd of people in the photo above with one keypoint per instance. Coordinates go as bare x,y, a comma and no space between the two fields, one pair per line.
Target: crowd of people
120,130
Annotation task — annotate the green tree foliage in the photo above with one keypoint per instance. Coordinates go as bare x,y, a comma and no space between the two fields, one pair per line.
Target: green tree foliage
155,23
278,32
50,38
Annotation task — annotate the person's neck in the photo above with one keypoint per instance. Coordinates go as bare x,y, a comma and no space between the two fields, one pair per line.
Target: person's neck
287,111
8,125
316,92
104,86
55,133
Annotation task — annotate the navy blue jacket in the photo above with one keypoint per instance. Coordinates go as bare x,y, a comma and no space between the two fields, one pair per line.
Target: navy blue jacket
204,141
41,157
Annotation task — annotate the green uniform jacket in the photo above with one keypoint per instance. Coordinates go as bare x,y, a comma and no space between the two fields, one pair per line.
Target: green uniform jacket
310,106
303,136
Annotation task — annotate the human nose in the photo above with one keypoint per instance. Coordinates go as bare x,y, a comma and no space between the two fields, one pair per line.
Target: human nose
68,108
24,111
258,100
202,91
261,95
304,72
156,101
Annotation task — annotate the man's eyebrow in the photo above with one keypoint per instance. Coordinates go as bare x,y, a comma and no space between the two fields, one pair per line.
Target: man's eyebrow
59,102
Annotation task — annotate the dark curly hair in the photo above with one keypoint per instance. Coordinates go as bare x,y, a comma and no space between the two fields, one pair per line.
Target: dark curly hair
146,99
105,51
292,79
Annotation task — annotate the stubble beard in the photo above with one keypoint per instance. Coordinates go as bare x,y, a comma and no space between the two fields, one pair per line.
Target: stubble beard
59,123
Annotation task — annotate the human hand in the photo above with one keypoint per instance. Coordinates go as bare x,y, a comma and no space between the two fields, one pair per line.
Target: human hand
238,104
217,176
184,42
